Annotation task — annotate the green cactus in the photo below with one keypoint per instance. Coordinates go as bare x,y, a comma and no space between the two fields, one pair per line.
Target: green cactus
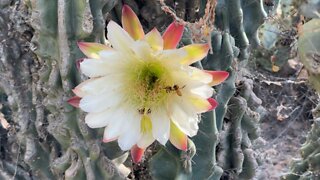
235,154
309,48
309,9
277,37
241,129
307,167
53,141
62,24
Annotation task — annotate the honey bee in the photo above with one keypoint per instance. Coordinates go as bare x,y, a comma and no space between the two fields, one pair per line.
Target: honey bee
143,110
175,88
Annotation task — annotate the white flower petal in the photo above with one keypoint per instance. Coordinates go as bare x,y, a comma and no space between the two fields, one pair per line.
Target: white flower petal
115,58
154,39
130,136
98,103
105,136
118,37
128,139
95,86
118,124
183,78
160,126
145,140
190,110
100,119
200,75
173,56
204,91
97,68
198,104
142,50
108,55
183,120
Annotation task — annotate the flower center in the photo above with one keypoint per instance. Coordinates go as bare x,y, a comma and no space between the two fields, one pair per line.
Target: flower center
149,78
146,84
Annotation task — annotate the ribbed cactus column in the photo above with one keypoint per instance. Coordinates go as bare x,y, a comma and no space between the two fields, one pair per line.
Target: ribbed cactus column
61,24
240,130
52,139
234,19
23,151
308,166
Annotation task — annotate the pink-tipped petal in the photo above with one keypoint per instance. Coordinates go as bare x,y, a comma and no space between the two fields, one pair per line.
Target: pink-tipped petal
74,101
136,154
154,39
131,23
119,38
105,140
195,52
78,63
92,50
178,138
213,103
200,104
78,90
218,77
172,35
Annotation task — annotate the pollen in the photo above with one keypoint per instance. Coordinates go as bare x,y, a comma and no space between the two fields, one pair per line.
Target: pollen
145,86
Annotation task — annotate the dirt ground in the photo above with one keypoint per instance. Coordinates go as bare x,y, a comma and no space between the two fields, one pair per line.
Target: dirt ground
284,126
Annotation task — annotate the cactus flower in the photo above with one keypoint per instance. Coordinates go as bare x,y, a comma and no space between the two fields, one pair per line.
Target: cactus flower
142,88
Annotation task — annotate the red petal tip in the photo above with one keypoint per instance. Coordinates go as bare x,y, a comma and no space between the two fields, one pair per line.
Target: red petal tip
78,63
136,154
74,91
218,77
213,104
74,101
125,7
172,35
108,140
184,147
81,44
207,46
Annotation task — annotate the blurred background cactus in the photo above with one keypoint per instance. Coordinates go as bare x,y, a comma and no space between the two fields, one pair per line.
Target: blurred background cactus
48,139
307,167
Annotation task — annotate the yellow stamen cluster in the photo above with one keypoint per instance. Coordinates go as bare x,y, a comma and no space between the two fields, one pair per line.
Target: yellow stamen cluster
146,84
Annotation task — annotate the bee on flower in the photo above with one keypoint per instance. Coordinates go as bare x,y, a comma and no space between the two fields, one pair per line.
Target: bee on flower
142,88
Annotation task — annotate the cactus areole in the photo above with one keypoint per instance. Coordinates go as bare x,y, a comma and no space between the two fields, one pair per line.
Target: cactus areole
142,88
